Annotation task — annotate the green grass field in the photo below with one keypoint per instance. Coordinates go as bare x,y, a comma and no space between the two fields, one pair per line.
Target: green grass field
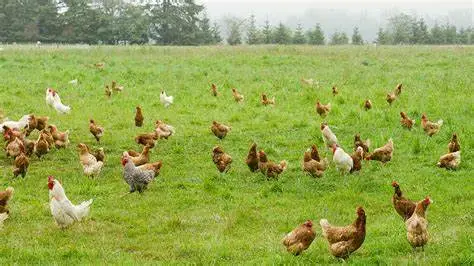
192,214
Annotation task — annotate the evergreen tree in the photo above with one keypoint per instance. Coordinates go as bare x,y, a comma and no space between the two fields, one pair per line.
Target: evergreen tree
316,36
267,33
298,36
436,35
282,35
357,37
234,37
205,36
253,35
339,38
216,34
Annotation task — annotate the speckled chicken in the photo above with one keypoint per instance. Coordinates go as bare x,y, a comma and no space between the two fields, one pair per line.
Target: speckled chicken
300,238
96,130
405,121
391,97
252,158
220,130
14,147
136,178
403,206
269,168
221,159
417,225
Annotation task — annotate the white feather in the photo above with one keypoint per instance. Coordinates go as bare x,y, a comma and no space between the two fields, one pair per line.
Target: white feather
20,124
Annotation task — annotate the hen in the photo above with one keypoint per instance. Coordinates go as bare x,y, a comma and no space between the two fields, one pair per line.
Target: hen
417,225
116,87
405,121
89,162
41,147
64,212
147,139
138,117
252,158
163,130
137,178
323,110
300,238
14,147
391,97
402,205
367,104
315,153
335,91
61,139
220,130
313,167
429,127
108,91
142,158
454,145
237,96
328,137
382,154
221,159
266,101
450,160
269,168
343,161
345,240
165,99
360,143
214,90
5,196
18,125
96,130
21,164
155,167
357,158
398,89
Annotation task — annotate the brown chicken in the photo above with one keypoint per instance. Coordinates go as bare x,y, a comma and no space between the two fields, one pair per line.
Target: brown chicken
269,168
391,97
314,153
313,167
155,167
266,101
147,139
116,87
220,130
11,134
99,155
5,196
91,166
429,127
453,145
357,158
96,130
14,147
252,158
108,91
142,158
406,121
402,205
21,164
335,91
214,89
237,96
99,65
345,240
41,147
398,89
163,130
361,143
36,122
48,137
29,146
61,139
417,225
367,105
138,117
322,109
450,160
221,159
300,238
383,154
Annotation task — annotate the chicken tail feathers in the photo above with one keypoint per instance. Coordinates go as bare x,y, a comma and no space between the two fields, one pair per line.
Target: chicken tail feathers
83,209
440,122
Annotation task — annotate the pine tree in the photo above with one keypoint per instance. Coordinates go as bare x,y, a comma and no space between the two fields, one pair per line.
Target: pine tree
357,37
267,33
216,34
282,35
316,36
253,35
298,36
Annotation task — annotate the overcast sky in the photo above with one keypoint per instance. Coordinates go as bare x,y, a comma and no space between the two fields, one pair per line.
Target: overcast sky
342,15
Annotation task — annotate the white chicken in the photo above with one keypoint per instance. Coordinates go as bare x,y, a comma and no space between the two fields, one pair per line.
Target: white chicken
165,99
343,161
51,96
64,212
328,137
89,162
61,108
18,125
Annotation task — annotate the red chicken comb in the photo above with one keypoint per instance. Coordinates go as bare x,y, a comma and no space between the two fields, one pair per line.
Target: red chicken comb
427,200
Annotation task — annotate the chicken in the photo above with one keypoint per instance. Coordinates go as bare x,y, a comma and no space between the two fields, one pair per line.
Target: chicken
328,137
314,153
96,130
61,139
300,238
343,161
269,168
41,147
11,134
14,148
360,143
142,158
357,158
21,163
450,160
383,154
367,104
405,121
165,99
5,196
48,137
335,91
136,178
391,97
308,82
41,121
155,167
323,110
417,225
313,167
108,91
163,130
116,87
221,159
99,65
15,125
3,217
402,205
51,96
138,117
73,82
90,165
252,158
29,146
220,130
345,240
453,145
214,90
237,96
99,155
398,89
147,139
429,127
64,212
266,101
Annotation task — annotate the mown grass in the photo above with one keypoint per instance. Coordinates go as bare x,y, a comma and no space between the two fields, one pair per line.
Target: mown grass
193,214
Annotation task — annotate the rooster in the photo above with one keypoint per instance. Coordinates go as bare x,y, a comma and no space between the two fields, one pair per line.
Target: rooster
300,238
163,130
5,196
165,99
221,159
402,205
21,163
343,161
382,154
96,130
269,168
345,240
214,90
453,145
116,87
357,158
138,117
252,158
141,158
367,104
417,224
335,91
137,178
322,109
237,96
266,101
51,97
429,127
405,121
61,139
155,167
313,167
450,160
220,130
328,137
89,162
360,143
64,212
